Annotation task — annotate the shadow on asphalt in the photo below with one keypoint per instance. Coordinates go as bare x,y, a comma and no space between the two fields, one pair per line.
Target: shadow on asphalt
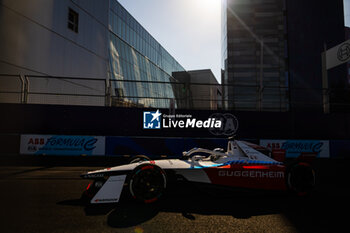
320,212
132,214
25,171
325,210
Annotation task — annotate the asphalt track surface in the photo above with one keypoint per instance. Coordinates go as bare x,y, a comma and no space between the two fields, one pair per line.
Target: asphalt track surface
46,198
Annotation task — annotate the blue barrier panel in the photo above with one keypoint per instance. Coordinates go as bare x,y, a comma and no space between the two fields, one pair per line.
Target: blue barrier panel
294,148
69,145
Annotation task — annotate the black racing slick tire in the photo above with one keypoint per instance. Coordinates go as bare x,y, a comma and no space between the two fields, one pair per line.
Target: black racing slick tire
301,179
138,158
147,183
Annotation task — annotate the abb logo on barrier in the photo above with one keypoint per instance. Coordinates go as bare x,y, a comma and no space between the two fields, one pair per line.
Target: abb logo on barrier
36,141
62,144
274,145
34,144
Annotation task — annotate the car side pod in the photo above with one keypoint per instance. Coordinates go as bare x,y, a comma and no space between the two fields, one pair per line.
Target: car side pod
147,183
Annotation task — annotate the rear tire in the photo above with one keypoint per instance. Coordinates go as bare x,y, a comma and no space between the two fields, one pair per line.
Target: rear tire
301,179
147,183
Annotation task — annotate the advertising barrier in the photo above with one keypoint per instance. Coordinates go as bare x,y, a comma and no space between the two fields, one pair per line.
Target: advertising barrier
35,144
294,148
155,147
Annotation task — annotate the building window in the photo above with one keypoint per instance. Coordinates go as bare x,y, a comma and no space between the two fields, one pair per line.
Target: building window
73,20
119,92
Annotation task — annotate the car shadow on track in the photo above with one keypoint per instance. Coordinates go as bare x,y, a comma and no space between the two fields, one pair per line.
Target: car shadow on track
318,211
189,199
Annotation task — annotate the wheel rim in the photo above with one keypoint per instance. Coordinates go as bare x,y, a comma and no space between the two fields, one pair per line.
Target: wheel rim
147,184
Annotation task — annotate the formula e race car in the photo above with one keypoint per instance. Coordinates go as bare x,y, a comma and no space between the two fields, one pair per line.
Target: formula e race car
240,166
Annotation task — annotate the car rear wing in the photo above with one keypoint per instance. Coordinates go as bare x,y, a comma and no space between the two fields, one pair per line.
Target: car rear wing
305,157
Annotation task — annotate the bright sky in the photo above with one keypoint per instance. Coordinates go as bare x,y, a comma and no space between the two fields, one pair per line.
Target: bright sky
347,12
190,30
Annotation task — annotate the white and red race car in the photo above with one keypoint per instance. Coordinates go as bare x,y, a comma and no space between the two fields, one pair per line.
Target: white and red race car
240,166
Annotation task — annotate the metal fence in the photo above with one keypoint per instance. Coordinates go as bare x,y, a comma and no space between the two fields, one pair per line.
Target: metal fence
52,90
33,89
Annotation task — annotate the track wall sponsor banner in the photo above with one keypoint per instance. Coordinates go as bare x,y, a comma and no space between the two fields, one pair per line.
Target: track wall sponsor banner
295,147
62,145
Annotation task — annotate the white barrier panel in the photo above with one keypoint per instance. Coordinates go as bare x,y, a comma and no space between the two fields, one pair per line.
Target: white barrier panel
35,144
295,147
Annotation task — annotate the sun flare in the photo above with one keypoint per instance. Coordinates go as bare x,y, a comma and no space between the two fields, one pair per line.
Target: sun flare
209,4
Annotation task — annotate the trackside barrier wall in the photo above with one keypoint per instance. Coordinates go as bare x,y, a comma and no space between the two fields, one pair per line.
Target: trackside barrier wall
340,148
110,146
154,147
127,122
68,145
159,146
9,144
115,121
294,148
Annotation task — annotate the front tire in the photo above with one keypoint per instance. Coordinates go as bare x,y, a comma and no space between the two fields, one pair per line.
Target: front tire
147,183
139,158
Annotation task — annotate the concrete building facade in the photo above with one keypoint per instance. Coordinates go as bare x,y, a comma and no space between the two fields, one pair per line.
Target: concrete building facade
271,53
254,55
81,52
200,90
